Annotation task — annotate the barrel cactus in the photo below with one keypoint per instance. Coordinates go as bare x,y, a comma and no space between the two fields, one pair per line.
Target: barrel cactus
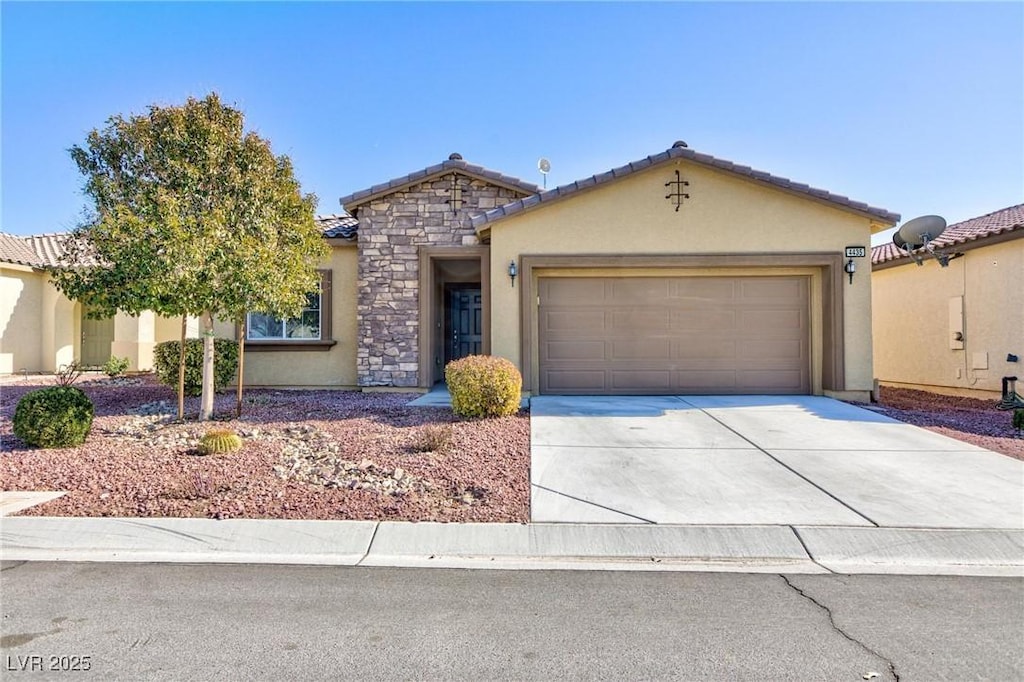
218,441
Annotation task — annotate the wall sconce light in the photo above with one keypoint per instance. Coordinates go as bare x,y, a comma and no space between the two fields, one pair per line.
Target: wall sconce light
512,272
850,268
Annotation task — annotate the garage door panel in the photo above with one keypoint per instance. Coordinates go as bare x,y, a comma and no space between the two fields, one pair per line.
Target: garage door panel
782,289
639,290
703,290
707,380
771,380
702,320
576,350
773,323
572,290
580,381
705,349
628,321
553,320
641,349
772,349
679,335
658,380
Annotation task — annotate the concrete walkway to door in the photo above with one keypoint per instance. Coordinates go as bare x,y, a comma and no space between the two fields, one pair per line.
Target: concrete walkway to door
759,460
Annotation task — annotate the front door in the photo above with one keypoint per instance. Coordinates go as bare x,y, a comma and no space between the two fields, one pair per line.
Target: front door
97,336
463,323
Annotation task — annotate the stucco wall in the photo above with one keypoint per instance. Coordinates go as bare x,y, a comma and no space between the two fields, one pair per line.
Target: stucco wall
21,300
335,367
913,329
723,215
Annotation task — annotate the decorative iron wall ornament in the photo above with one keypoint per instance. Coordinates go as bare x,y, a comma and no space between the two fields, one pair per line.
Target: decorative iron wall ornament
456,194
676,193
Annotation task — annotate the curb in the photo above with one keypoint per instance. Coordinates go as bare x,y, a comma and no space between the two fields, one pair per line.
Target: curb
776,549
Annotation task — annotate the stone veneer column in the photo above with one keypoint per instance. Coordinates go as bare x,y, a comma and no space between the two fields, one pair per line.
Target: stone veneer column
391,230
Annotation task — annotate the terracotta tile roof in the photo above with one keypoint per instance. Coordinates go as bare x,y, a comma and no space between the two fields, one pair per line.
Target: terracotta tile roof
49,247
339,226
14,249
454,163
679,151
989,225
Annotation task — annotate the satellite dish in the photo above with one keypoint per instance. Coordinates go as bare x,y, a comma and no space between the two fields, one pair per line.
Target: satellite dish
919,231
918,234
543,165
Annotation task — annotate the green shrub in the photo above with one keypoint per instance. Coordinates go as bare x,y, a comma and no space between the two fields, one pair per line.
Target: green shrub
115,366
1018,420
53,417
483,386
225,364
219,441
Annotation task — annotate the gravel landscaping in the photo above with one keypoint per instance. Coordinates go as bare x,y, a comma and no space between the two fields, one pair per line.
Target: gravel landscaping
968,419
333,454
305,455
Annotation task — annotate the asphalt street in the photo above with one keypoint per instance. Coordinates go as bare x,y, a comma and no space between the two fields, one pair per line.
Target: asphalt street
226,622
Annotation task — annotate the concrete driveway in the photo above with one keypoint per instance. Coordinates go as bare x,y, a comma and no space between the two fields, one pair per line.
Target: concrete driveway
759,460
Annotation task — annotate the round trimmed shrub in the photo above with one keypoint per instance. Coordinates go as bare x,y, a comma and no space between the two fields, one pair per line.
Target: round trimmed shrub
225,364
483,386
54,417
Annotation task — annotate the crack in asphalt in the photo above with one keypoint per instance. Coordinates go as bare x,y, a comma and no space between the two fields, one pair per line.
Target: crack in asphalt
832,622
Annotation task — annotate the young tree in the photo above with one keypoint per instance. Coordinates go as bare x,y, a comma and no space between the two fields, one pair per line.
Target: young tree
192,216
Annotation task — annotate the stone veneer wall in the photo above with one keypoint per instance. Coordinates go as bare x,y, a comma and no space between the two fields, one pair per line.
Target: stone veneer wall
391,229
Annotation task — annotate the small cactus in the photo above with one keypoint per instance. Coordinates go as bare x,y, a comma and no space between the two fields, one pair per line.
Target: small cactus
217,441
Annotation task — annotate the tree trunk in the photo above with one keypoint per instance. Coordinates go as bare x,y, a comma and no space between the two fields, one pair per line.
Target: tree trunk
206,402
241,366
181,369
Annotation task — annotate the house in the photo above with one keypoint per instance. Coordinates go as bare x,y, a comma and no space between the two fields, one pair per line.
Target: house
677,273
42,330
957,329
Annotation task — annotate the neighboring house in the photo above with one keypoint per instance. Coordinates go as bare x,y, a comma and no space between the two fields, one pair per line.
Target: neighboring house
41,329
677,273
953,329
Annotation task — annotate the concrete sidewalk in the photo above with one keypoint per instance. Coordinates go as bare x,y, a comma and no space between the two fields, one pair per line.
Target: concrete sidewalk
777,549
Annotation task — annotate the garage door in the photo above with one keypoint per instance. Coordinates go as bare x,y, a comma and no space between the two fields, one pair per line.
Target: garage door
696,335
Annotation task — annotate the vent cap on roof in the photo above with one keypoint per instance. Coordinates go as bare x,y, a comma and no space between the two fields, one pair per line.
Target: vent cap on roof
679,144
455,156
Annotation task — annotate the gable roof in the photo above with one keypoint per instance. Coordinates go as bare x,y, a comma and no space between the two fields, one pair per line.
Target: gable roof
337,226
15,249
990,225
453,164
680,151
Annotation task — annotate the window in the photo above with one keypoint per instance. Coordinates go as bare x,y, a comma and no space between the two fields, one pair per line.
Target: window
306,326
310,329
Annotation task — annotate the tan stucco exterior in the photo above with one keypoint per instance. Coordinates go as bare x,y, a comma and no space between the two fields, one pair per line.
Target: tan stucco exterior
724,215
41,328
334,367
918,309
21,300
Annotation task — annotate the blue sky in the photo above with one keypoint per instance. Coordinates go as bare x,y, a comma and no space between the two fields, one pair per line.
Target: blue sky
913,107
